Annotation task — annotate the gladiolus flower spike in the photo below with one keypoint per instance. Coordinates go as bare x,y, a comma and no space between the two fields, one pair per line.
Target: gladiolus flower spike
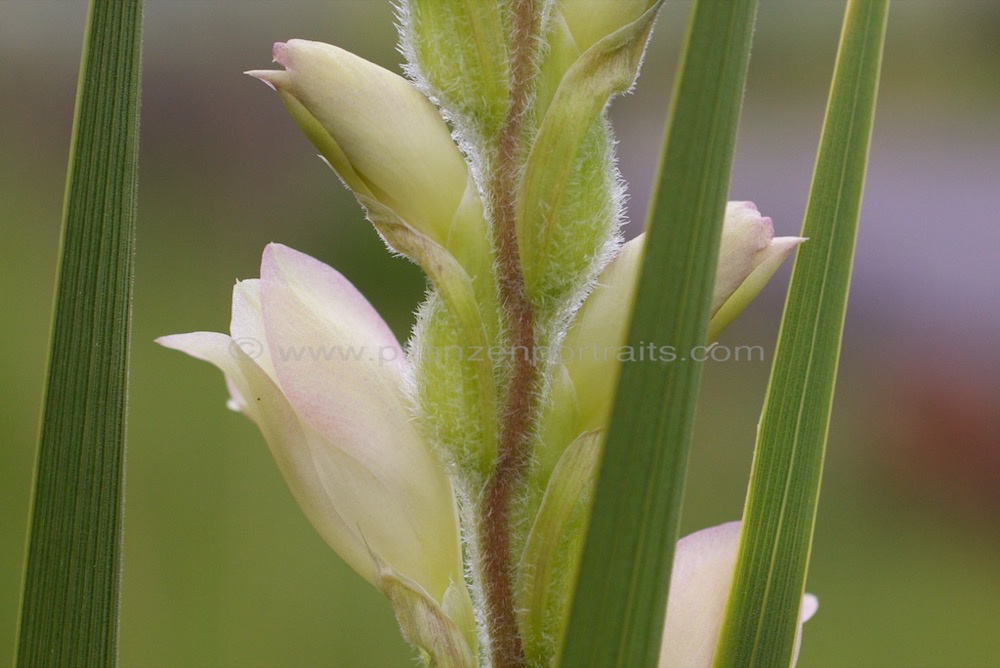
395,456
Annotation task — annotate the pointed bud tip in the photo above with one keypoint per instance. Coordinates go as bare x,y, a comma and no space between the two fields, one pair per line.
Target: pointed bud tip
787,244
273,79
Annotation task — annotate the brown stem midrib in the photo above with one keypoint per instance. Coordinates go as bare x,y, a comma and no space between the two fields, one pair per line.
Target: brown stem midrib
512,447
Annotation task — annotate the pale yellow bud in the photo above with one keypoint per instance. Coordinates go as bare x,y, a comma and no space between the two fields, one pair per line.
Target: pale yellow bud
381,135
748,257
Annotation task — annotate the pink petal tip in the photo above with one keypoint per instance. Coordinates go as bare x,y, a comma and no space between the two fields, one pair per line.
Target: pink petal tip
768,226
279,52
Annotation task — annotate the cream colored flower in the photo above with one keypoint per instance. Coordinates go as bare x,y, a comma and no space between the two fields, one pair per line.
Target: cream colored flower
320,373
748,257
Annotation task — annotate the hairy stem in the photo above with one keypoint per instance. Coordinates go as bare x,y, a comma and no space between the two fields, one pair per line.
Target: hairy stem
512,451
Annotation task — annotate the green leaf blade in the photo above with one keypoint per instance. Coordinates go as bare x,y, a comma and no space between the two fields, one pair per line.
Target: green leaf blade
69,611
621,593
763,609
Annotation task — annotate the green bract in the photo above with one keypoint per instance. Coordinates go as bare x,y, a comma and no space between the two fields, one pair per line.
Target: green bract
590,21
458,48
569,200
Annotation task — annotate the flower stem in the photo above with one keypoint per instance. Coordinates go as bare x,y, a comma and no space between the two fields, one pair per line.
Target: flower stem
512,452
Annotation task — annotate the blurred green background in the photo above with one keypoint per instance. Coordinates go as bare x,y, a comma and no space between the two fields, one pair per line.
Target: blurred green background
221,569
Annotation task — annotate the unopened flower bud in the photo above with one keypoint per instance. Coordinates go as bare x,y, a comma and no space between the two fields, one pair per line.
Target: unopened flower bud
382,136
748,257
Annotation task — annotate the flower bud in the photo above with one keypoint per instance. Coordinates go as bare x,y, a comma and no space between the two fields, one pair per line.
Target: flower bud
380,134
748,257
